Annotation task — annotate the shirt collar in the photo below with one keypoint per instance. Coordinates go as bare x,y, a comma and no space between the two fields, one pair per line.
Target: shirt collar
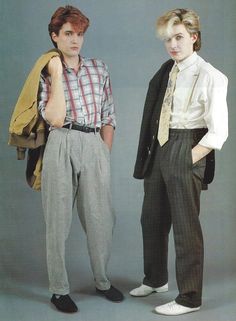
70,69
191,60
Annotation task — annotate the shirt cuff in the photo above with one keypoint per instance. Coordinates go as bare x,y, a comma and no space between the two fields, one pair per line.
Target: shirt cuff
109,122
213,141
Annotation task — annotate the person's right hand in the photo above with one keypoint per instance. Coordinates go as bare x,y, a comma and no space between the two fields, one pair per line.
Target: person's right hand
55,66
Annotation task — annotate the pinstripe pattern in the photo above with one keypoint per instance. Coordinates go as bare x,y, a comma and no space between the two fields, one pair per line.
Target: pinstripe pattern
172,196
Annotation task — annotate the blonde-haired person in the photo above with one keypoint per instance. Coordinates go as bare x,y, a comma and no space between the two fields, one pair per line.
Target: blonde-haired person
188,18
184,120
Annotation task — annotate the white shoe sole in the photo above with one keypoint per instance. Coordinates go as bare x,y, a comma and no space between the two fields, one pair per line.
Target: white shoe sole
170,312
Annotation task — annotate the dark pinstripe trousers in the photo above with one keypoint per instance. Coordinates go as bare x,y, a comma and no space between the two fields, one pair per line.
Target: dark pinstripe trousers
172,190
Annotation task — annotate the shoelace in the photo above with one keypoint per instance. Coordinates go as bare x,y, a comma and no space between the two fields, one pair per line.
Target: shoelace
172,305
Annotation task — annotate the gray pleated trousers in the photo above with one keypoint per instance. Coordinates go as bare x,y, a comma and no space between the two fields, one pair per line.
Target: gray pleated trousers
172,190
76,168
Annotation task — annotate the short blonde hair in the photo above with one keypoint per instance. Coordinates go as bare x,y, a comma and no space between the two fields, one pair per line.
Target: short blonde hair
187,17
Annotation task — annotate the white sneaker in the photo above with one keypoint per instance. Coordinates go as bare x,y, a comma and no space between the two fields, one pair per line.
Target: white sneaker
145,290
173,308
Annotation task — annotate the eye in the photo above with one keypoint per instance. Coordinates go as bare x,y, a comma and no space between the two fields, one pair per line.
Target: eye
178,37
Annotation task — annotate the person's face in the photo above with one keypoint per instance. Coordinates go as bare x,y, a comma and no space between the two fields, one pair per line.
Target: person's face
69,41
180,43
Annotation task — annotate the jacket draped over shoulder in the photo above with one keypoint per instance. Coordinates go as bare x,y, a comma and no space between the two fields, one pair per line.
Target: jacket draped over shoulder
27,128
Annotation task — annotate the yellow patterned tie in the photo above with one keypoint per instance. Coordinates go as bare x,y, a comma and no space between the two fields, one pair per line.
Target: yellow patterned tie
164,122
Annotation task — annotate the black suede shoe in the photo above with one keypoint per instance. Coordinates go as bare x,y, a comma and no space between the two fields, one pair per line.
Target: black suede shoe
64,303
111,294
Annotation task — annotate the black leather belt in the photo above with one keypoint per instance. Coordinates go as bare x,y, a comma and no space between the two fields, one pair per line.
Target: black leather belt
84,129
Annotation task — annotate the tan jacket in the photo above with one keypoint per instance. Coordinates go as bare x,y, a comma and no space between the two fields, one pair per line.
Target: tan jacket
27,128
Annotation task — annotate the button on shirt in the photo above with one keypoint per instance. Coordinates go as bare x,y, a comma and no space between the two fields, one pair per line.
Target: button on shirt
90,90
200,101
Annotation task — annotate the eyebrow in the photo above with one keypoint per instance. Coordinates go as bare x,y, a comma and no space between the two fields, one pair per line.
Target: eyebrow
178,34
73,31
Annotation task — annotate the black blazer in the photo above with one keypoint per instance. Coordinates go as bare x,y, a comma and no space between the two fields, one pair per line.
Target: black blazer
149,126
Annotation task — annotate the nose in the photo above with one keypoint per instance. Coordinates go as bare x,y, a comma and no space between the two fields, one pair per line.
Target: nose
173,43
74,38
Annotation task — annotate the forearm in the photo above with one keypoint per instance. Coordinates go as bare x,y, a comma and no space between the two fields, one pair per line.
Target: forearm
55,110
199,151
107,133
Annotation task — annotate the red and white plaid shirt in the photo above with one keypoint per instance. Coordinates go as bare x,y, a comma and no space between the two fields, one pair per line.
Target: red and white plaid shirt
88,94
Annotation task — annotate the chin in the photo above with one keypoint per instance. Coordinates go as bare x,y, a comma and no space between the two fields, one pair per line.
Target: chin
175,57
73,54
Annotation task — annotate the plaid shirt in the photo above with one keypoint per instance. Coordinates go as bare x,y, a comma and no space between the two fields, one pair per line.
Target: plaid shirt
88,94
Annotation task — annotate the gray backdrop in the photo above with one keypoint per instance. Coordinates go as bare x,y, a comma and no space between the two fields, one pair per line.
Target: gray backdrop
122,33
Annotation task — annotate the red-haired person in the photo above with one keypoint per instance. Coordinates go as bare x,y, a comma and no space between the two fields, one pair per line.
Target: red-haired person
75,99
185,119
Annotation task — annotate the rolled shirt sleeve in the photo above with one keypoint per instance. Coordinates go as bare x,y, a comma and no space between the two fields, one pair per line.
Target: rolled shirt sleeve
216,111
108,109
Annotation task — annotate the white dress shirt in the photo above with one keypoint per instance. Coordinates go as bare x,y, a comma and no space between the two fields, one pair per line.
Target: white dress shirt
200,101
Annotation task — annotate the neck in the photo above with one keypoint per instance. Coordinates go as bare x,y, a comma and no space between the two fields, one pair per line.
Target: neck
72,62
177,61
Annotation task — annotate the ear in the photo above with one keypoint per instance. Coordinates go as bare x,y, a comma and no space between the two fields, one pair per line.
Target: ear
54,36
194,37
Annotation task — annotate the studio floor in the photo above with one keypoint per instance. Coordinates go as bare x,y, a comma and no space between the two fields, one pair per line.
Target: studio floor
31,302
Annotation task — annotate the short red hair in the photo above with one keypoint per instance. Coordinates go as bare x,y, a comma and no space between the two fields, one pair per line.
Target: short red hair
67,14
